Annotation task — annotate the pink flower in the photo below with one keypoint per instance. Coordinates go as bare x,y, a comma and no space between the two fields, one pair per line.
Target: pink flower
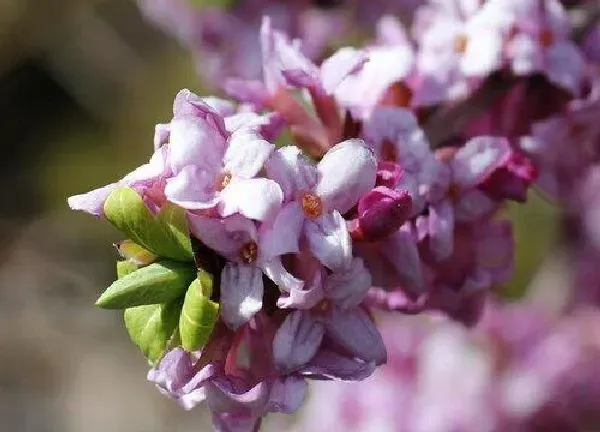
214,168
460,44
540,42
237,394
320,195
482,257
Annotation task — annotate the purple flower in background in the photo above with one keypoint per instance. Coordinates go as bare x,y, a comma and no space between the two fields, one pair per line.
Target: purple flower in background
460,43
520,370
539,42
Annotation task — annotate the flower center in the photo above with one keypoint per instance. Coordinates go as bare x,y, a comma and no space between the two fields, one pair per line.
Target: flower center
223,180
312,205
249,252
324,307
460,44
546,38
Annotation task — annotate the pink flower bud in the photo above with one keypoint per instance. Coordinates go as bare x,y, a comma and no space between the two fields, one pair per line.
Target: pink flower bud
511,180
382,211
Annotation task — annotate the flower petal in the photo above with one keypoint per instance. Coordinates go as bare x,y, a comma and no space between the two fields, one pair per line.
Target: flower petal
348,288
478,158
192,189
225,236
286,282
296,341
348,172
354,331
292,171
441,229
329,240
257,198
246,153
287,394
194,142
329,364
400,250
342,63
281,236
241,293
92,202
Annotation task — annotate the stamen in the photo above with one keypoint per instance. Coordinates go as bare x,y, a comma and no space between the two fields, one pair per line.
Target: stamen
223,180
460,44
312,205
249,252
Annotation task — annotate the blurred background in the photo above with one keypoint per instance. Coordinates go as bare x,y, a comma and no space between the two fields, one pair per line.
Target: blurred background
82,83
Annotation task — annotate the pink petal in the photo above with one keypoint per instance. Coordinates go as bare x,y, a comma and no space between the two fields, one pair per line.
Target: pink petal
246,153
287,394
92,202
189,104
258,199
478,158
292,171
348,172
281,236
348,288
483,54
360,92
342,63
286,282
161,135
354,331
297,341
566,66
329,240
192,189
241,293
441,229
401,251
225,236
473,205
281,55
194,142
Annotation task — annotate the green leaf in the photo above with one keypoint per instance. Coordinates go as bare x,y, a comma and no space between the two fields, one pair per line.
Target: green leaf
199,314
135,253
125,267
166,234
151,327
160,282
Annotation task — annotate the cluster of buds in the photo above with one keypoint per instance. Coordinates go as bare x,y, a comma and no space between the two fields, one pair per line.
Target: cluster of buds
264,233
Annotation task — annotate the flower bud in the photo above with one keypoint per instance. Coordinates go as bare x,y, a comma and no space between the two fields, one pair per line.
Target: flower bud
382,211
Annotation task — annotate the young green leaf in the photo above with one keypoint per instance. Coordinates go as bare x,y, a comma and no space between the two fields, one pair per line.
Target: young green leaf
166,234
199,314
125,267
151,327
135,253
160,282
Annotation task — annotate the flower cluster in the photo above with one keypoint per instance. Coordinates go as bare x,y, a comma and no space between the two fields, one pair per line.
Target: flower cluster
266,230
223,34
522,369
